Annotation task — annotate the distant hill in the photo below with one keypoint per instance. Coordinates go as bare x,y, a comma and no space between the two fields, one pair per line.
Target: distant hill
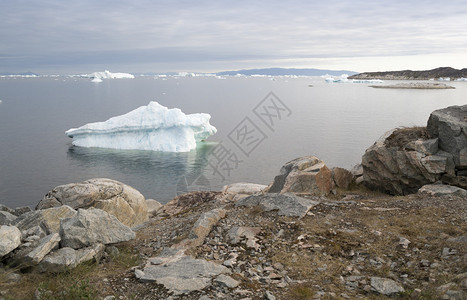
283,71
18,74
414,75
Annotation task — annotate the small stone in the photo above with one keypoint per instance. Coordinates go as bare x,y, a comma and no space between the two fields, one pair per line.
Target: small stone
226,281
385,286
229,263
404,242
269,296
416,294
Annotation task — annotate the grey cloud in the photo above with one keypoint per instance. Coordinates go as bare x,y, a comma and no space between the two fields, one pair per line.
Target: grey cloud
59,33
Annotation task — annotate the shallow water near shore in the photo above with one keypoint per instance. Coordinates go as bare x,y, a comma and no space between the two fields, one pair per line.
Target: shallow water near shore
335,122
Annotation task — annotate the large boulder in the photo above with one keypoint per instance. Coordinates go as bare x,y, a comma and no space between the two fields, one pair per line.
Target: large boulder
439,190
10,239
47,219
180,273
303,175
66,258
93,226
244,188
449,125
403,160
116,198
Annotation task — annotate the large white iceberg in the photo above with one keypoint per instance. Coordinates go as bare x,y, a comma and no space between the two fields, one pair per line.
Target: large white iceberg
152,127
108,75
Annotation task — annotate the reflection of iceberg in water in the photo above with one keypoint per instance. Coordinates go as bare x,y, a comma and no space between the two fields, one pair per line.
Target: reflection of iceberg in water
158,175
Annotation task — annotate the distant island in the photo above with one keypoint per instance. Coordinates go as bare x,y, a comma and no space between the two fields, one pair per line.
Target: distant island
443,73
286,72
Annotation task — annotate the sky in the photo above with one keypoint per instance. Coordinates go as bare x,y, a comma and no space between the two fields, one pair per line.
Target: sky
71,37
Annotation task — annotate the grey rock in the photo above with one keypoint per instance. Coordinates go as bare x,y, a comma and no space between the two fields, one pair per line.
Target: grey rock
34,231
118,199
153,206
9,277
236,233
303,175
6,218
202,228
286,204
449,125
244,188
46,244
385,286
454,295
182,274
269,296
226,281
401,170
21,210
343,178
10,239
67,258
427,147
438,190
6,208
357,170
93,226
47,219
458,239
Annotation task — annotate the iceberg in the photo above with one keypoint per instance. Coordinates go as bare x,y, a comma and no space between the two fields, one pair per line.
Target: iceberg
152,127
108,75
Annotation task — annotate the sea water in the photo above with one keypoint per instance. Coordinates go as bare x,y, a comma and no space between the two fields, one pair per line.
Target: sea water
262,123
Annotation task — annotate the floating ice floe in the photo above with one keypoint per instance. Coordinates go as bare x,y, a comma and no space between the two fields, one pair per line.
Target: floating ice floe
332,79
152,127
461,79
367,81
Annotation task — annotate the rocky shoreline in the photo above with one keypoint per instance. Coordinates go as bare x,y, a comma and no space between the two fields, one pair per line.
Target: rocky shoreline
313,233
415,85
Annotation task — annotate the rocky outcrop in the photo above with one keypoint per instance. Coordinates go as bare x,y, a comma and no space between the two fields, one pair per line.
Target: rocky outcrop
405,159
286,204
180,273
306,174
449,126
10,239
118,199
92,226
442,72
59,238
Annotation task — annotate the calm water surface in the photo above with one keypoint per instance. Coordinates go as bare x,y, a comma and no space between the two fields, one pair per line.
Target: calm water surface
335,122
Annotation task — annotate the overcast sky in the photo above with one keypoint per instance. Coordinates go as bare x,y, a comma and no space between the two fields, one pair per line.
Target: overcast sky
56,36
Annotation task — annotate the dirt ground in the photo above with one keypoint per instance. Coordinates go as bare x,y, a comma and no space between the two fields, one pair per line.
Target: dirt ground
331,253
